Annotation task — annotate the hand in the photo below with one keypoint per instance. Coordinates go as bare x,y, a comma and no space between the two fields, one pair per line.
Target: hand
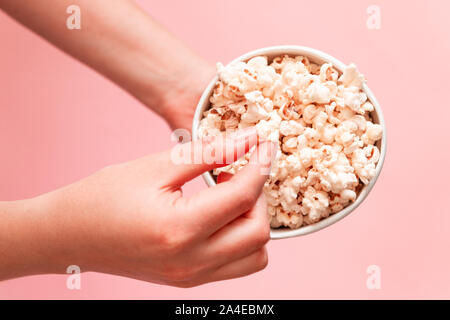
132,220
183,94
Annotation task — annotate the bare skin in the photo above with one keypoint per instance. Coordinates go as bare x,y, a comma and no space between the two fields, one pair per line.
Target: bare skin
120,41
132,219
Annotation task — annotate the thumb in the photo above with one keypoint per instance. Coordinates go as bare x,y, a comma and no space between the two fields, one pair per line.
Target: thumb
187,161
217,206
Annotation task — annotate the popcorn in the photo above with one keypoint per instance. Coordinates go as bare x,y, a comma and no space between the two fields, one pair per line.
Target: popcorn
289,144
354,100
315,204
319,93
289,190
309,113
269,129
319,119
327,73
351,77
291,128
373,133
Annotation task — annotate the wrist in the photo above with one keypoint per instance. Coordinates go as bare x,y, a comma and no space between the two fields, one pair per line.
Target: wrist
179,92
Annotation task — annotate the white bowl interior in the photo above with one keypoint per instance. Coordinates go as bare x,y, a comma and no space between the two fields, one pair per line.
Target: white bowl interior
318,57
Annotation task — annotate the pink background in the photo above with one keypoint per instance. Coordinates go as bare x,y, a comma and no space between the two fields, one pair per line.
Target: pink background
60,121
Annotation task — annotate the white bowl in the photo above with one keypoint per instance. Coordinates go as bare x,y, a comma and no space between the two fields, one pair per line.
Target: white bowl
318,57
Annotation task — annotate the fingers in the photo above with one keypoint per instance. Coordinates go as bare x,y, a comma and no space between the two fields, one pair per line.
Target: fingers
224,176
189,160
250,264
241,237
213,208
255,262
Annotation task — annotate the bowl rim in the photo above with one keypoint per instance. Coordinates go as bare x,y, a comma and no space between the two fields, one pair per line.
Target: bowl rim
314,55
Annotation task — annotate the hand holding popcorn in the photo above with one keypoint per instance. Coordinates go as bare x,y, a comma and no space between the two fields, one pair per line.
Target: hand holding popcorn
132,220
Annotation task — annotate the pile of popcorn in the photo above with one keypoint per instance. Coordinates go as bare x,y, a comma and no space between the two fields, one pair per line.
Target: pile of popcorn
320,120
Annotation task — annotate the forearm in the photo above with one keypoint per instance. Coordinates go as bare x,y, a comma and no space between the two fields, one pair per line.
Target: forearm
120,41
22,247
39,236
